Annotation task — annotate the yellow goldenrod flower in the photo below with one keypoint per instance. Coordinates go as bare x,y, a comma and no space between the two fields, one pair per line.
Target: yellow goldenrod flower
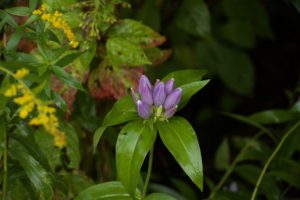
21,73
58,22
12,91
28,103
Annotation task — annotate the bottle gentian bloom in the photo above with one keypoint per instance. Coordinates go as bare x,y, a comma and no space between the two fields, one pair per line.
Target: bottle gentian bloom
159,102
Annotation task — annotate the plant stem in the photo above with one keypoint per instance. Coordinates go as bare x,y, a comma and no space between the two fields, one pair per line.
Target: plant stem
150,162
261,176
233,164
4,184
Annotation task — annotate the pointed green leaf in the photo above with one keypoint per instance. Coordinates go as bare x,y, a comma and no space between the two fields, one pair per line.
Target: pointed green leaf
181,140
122,111
106,191
67,78
274,116
187,76
133,144
68,59
37,175
159,196
97,136
222,158
73,150
2,134
19,11
188,90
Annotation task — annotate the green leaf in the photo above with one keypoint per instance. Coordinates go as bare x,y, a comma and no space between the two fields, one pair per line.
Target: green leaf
181,140
193,17
274,116
7,18
233,66
2,134
137,33
159,196
239,33
133,144
188,90
106,191
67,78
32,4
250,122
15,39
222,158
249,11
149,14
122,111
67,59
97,136
73,150
187,76
122,52
268,185
19,11
37,175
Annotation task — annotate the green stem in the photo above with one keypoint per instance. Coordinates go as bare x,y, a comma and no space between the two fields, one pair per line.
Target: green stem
4,184
233,164
261,176
148,173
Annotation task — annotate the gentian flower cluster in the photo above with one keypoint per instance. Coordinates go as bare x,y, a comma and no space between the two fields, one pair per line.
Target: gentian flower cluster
159,101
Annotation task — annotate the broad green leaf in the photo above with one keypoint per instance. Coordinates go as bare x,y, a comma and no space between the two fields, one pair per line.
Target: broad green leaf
286,176
33,4
222,158
106,191
231,65
181,140
67,78
59,5
274,116
188,90
239,33
159,196
67,59
249,11
133,144
38,176
159,188
97,136
77,182
185,189
122,111
121,52
193,17
137,33
2,134
19,11
187,76
73,150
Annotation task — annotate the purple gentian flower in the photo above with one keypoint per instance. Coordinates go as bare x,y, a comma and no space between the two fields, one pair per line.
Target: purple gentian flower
159,94
173,98
144,110
169,86
145,90
161,99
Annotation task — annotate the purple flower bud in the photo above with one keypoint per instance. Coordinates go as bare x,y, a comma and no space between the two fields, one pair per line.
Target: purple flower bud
170,112
144,110
133,95
169,86
173,98
159,94
145,90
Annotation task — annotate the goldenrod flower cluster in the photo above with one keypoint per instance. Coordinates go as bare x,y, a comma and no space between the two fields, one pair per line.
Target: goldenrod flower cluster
28,103
58,22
